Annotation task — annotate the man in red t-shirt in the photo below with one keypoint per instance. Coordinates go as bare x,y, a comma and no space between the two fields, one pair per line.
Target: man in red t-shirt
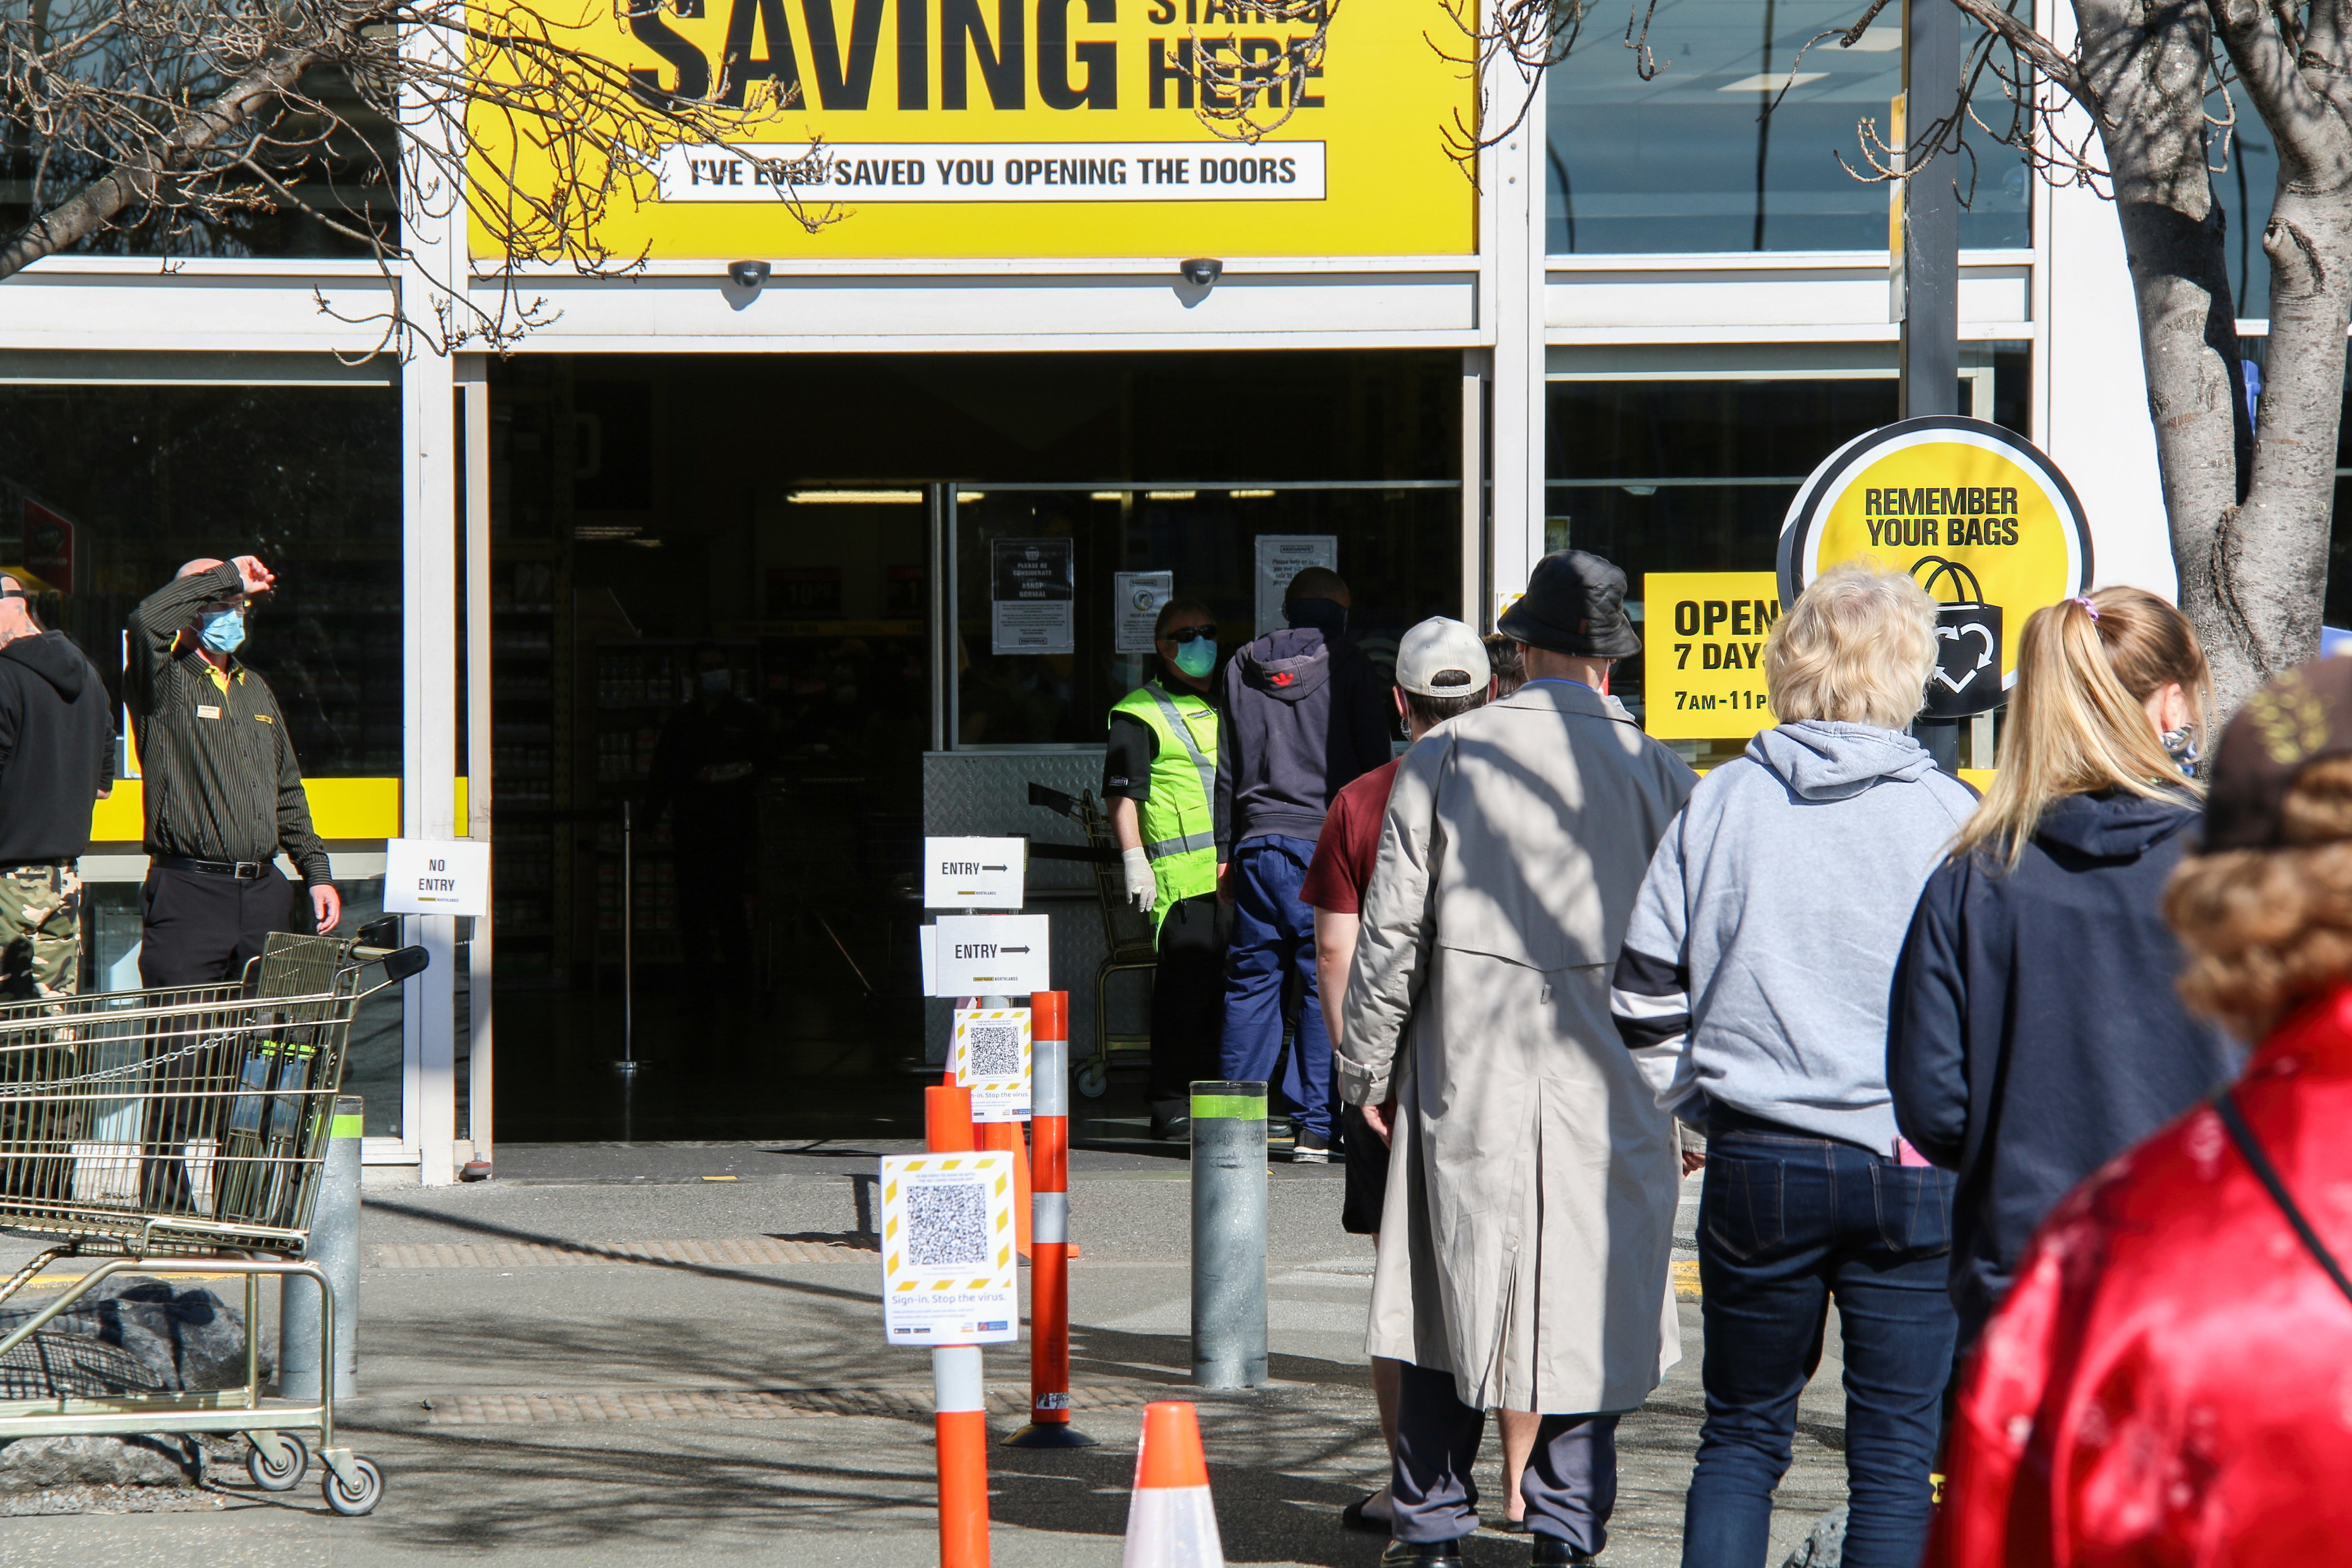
1441,669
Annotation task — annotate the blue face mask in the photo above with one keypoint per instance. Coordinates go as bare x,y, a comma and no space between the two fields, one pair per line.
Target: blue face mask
1197,657
224,630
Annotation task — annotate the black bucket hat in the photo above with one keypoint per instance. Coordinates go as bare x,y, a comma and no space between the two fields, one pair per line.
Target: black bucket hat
1575,603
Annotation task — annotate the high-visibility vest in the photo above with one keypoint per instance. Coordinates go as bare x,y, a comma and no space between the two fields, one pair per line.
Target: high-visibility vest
1179,820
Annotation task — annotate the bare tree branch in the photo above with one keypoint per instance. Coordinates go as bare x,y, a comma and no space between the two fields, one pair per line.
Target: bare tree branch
172,124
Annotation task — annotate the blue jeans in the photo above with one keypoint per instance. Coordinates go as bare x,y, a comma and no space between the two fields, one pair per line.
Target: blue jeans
1786,1219
1273,935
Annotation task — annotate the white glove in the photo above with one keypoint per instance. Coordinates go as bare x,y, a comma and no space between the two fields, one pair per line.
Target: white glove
1141,886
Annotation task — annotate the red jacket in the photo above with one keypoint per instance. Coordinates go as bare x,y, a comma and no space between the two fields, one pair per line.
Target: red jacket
2171,1379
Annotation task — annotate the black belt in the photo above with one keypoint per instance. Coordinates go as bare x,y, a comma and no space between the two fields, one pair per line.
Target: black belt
243,870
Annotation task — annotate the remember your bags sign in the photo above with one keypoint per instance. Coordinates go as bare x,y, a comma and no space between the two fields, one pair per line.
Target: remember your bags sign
1979,514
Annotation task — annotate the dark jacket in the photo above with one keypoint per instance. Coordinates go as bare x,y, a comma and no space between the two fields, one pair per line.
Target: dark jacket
57,748
221,779
1304,717
2035,1033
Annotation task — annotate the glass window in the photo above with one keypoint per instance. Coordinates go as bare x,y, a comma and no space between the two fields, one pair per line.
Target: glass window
346,179
1706,156
2245,179
1398,545
1697,475
106,491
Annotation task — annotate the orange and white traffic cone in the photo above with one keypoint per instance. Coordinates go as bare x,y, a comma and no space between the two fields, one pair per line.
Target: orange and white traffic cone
1171,1522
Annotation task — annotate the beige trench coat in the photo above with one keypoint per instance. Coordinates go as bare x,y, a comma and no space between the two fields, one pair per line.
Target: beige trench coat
1530,1204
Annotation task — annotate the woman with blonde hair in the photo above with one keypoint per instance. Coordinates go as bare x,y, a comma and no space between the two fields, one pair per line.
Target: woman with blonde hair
2166,1382
2036,1033
1752,990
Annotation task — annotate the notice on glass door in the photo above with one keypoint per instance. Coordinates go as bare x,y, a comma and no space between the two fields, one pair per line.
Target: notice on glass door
1136,599
1281,557
1033,596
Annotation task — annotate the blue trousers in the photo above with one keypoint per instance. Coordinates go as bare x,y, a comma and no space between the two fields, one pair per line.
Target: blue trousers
1786,1219
1273,936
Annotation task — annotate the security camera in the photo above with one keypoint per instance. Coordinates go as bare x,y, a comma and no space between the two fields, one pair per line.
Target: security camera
1201,271
746,274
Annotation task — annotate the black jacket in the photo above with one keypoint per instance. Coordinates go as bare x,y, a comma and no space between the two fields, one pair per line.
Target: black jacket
1304,717
2035,1033
57,748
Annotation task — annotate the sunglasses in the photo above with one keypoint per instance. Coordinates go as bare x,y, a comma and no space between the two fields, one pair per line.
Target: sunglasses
1183,635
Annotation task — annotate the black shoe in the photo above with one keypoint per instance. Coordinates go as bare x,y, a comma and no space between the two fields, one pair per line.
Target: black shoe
1553,1553
1309,1150
1353,1517
1174,1128
1423,1555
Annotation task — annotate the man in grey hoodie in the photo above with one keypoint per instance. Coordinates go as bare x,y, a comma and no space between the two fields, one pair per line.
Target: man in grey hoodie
1753,990
1304,714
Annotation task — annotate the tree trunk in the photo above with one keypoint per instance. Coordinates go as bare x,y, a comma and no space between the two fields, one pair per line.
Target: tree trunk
2268,562
2147,64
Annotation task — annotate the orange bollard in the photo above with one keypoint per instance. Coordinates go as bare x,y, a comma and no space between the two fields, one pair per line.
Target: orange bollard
958,1390
960,1420
947,1120
1049,1276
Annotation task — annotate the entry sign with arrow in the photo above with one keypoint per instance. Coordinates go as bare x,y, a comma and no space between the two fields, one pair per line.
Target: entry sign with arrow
974,873
981,955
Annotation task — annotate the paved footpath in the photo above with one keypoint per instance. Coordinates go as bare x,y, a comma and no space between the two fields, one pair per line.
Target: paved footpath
605,1357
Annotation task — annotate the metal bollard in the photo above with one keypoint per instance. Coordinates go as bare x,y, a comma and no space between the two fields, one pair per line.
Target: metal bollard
1229,1234
334,1247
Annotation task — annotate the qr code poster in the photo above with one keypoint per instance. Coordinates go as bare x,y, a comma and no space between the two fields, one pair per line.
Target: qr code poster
947,1269
991,1059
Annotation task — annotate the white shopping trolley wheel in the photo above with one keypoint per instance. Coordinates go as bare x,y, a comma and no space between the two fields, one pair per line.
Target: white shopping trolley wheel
1093,1079
352,1501
277,1461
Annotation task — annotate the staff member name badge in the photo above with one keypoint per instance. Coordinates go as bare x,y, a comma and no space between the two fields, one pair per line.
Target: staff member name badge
974,873
948,1269
437,876
991,1055
975,955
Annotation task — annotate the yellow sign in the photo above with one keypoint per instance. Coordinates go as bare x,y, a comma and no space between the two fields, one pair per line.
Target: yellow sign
339,809
1705,680
1018,128
1978,513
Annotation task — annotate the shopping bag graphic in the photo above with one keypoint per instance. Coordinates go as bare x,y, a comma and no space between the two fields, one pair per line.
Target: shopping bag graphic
1967,676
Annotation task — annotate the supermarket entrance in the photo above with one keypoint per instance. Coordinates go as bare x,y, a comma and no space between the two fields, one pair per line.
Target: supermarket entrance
717,595
712,698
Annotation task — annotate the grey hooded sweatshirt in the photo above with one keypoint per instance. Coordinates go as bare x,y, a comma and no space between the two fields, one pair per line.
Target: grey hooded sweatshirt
1757,970
1302,716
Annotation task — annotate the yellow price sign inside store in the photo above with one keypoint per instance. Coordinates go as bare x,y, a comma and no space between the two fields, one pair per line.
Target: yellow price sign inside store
1702,653
1979,514
1014,128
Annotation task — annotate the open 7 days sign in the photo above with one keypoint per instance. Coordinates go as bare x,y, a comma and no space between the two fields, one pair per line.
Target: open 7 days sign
1979,514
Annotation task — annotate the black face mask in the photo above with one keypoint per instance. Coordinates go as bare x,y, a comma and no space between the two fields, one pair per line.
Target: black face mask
1325,615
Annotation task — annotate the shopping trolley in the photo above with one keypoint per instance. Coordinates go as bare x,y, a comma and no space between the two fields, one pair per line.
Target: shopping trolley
181,1130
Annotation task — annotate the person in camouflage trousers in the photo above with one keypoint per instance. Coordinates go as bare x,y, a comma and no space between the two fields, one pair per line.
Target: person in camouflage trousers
56,759
40,910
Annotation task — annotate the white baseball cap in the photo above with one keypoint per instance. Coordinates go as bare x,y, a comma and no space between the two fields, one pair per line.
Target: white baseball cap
1439,646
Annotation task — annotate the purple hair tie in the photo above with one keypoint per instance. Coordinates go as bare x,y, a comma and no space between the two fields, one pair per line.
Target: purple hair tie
2089,609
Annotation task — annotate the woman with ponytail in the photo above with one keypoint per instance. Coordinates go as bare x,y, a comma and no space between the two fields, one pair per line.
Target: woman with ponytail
2035,1031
